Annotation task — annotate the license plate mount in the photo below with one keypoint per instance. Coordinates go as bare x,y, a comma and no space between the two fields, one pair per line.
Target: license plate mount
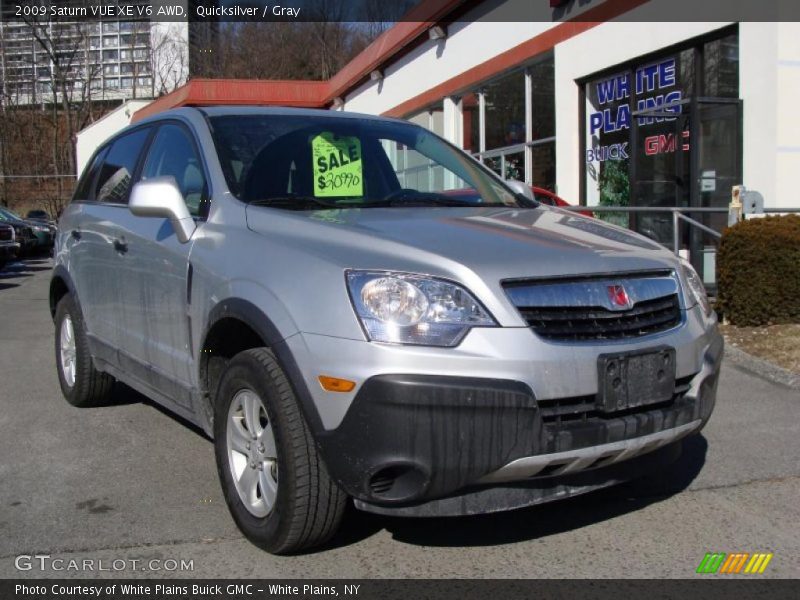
633,379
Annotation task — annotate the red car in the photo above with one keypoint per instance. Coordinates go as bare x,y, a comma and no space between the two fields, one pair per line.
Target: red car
547,197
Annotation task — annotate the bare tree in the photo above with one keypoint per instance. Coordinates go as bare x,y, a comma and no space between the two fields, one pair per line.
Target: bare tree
168,58
373,17
314,50
61,75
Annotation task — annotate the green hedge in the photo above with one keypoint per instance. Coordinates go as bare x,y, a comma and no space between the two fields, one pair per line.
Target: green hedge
758,271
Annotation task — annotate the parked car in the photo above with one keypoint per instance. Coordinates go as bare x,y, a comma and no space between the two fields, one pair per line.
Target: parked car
44,235
551,199
23,231
9,247
41,217
264,273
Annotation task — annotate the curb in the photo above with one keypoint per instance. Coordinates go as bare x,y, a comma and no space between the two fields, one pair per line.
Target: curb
761,367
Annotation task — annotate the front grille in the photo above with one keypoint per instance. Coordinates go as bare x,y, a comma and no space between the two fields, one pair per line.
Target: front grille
6,234
575,323
380,485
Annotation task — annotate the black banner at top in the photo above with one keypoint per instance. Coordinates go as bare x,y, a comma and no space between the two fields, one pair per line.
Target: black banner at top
449,11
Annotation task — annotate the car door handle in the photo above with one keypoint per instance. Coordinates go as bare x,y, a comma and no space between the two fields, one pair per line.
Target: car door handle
120,246
76,234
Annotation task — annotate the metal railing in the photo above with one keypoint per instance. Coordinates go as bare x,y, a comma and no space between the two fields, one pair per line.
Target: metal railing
679,213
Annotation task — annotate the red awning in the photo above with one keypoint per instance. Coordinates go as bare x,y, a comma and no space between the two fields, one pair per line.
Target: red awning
252,92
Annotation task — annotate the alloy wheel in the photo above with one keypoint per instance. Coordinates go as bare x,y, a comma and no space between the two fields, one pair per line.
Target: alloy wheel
67,351
252,453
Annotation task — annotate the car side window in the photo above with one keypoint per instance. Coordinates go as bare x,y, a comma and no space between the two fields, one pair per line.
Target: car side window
84,189
173,153
114,182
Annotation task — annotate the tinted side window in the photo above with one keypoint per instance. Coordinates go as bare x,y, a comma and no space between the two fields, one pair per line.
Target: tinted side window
173,153
114,182
84,189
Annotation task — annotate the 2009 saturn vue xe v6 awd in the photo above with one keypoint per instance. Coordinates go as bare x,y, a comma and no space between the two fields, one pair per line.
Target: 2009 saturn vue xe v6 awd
302,286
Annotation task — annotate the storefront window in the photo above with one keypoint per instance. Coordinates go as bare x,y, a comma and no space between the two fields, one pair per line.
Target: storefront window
544,165
607,144
471,111
505,111
686,72
543,93
653,91
432,119
721,67
509,166
643,149
510,110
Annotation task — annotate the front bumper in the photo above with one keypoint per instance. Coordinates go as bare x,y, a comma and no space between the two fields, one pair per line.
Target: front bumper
8,250
433,445
44,239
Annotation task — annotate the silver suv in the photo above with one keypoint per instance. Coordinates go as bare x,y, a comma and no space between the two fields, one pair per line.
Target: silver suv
353,308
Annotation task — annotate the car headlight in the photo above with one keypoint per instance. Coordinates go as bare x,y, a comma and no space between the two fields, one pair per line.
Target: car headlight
697,291
400,308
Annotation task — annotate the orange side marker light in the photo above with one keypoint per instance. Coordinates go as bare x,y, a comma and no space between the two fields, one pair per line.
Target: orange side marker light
334,384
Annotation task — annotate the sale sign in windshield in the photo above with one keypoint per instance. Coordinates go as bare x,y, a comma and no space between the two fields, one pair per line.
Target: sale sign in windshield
337,166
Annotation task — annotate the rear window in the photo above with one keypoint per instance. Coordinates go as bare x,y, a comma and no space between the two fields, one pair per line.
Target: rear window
173,153
114,181
84,188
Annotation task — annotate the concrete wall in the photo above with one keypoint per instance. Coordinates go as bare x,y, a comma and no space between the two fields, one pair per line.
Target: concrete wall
98,132
787,122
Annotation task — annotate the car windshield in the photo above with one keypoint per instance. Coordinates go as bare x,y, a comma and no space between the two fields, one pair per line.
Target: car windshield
7,215
302,163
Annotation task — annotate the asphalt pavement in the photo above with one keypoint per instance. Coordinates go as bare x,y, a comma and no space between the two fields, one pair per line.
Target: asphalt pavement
130,483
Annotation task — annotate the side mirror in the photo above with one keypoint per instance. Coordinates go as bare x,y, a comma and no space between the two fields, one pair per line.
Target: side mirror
160,197
521,188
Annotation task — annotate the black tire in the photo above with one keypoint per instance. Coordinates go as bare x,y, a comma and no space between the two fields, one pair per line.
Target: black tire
91,387
309,505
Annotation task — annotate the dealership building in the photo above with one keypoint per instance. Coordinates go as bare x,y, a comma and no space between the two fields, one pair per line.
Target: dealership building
598,101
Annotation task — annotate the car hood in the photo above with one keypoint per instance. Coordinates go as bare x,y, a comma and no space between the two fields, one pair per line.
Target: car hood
16,222
493,243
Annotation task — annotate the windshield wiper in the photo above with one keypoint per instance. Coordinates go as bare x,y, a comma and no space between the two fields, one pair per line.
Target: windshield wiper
294,202
415,198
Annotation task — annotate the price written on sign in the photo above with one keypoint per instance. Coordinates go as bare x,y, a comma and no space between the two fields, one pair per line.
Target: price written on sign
337,166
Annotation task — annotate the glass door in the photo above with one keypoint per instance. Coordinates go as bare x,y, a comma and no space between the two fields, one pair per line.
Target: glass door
660,170
681,163
717,167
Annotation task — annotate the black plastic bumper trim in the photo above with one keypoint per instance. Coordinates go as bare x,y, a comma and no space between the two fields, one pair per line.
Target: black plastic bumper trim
411,439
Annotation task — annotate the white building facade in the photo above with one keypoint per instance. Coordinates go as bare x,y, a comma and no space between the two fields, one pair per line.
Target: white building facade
622,111
762,69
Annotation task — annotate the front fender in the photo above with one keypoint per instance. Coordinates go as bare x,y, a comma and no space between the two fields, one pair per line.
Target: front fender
60,273
273,331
